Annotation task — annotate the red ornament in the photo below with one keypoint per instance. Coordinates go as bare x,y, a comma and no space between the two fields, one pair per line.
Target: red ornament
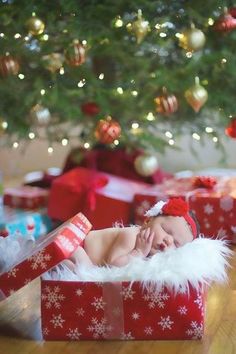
166,104
107,130
231,129
75,54
204,182
225,23
90,108
175,207
8,65
232,12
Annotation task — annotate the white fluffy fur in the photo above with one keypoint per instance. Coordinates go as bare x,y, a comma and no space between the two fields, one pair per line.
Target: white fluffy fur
199,262
156,209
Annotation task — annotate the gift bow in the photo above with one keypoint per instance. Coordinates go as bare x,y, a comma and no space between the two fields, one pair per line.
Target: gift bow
91,188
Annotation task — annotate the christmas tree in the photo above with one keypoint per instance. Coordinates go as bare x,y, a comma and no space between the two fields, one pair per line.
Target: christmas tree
124,73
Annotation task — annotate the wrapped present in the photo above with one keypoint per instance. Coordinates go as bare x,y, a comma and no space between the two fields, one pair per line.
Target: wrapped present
17,222
104,199
213,200
25,197
167,304
27,262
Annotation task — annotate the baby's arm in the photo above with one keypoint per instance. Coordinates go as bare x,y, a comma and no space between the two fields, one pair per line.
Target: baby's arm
120,253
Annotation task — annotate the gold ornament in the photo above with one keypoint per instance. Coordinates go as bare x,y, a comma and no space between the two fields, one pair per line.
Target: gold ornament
53,62
166,104
196,95
140,27
40,115
192,39
146,165
35,26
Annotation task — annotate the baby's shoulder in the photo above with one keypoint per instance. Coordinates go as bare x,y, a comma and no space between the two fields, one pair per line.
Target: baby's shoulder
130,231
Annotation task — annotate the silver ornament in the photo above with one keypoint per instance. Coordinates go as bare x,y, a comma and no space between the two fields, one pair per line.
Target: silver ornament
146,165
40,115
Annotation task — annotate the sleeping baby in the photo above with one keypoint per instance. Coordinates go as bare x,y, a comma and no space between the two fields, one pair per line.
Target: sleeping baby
168,225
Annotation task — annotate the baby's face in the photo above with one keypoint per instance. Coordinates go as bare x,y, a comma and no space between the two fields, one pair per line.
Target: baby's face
169,232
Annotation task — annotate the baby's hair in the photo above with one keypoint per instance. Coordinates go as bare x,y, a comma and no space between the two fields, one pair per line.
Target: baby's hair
193,216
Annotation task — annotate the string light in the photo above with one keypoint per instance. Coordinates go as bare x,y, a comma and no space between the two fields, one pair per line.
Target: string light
26,38
17,35
116,142
4,125
81,83
179,35
64,142
120,90
45,37
2,35
196,136
189,54
150,117
101,76
31,135
162,34
118,23
15,145
135,125
50,150
210,21
157,26
42,92
171,142
223,61
168,134
134,93
21,76
209,130
215,139
86,145
84,42
62,71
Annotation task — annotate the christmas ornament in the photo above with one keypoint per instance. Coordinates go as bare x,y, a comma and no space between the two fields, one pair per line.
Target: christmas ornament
35,26
8,65
75,54
107,130
53,62
140,27
226,22
196,96
192,39
166,104
230,130
90,108
146,165
40,115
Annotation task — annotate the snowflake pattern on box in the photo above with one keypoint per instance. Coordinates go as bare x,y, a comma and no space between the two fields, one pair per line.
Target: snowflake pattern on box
40,260
166,323
73,334
195,331
52,297
156,299
98,328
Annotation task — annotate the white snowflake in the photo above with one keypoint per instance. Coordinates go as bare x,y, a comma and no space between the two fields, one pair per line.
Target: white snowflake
200,303
80,311
165,323
73,334
196,331
67,244
148,331
126,336
222,234
39,260
226,203
135,316
143,207
156,299
98,303
208,209
45,331
99,329
52,297
127,292
79,292
57,321
12,272
182,310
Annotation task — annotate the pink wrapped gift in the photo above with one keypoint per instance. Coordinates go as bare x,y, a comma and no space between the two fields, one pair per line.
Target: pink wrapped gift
213,202
25,197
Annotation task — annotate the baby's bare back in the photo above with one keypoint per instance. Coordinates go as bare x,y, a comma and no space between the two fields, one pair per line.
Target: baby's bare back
99,244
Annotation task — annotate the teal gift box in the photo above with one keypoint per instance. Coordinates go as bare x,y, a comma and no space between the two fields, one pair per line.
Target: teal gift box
17,222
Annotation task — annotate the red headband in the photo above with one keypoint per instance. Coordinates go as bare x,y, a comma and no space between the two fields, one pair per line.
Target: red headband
174,207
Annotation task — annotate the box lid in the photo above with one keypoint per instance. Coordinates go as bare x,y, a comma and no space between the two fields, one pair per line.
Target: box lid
47,252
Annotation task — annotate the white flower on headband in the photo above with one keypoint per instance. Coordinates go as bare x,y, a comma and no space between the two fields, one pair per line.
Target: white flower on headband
156,209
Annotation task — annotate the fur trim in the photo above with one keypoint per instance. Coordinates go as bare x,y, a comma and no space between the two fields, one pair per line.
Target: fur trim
199,262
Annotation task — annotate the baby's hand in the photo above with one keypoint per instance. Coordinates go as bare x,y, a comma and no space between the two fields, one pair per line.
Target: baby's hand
144,240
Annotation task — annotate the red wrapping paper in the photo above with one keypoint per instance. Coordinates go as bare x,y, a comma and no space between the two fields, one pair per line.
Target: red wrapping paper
47,252
25,197
83,311
215,208
104,199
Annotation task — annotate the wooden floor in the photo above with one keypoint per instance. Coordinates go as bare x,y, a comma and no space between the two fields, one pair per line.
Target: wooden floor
20,328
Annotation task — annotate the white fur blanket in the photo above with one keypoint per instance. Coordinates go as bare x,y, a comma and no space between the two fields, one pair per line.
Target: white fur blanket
199,262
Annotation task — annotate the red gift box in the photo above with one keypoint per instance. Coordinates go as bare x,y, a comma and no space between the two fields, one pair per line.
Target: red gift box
214,205
25,197
120,310
104,199
48,251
